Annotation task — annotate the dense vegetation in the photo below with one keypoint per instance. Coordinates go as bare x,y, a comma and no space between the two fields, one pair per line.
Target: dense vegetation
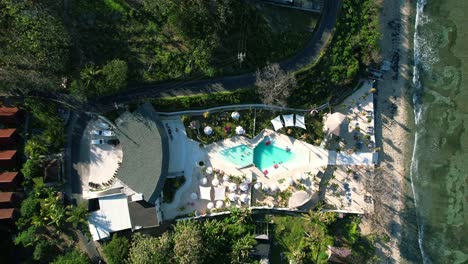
353,47
46,225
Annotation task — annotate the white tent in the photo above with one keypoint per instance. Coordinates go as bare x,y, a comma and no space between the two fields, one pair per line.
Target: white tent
300,121
208,131
288,120
235,115
113,215
205,193
219,204
220,193
210,205
232,197
240,130
276,122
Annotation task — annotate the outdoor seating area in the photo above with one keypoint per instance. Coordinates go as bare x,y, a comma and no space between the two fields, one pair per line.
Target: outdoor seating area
288,121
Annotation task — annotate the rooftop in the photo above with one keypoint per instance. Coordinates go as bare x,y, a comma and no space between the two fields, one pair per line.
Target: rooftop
7,154
6,197
8,176
7,132
8,111
145,152
8,213
142,214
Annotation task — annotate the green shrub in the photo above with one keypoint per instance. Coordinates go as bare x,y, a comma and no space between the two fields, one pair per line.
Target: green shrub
116,251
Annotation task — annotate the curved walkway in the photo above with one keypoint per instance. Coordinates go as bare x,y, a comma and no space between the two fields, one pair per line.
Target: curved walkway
241,107
309,54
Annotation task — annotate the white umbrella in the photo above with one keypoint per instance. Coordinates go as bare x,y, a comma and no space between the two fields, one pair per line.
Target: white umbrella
257,185
240,130
275,188
219,204
232,187
232,197
210,205
209,170
235,115
304,176
290,181
334,123
247,180
215,182
244,187
265,188
204,181
193,196
208,130
244,198
225,178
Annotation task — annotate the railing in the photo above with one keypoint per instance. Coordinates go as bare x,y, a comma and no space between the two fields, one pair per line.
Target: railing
243,107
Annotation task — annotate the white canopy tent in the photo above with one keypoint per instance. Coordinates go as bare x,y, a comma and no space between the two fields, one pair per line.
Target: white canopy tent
300,122
276,122
288,120
219,193
205,193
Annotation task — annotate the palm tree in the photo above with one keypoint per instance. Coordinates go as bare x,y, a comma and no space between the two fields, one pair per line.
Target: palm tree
77,215
89,74
242,248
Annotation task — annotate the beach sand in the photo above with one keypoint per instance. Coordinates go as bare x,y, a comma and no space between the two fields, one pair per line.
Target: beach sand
394,133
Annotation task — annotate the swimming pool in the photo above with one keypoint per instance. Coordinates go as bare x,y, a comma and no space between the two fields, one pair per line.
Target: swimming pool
263,156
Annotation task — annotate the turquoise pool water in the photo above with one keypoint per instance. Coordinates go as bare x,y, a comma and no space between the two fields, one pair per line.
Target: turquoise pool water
263,155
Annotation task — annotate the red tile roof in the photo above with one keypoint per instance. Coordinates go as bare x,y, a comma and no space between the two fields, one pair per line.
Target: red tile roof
8,111
6,197
7,154
7,132
7,177
7,213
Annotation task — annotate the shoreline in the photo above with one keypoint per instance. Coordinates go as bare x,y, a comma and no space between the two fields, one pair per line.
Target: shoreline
395,131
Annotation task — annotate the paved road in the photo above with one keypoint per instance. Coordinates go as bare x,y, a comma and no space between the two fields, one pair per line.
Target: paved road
320,38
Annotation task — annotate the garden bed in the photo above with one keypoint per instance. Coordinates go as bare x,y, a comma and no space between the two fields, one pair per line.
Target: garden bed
171,185
252,121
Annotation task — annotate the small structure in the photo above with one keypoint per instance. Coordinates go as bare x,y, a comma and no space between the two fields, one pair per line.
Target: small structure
220,193
8,159
10,200
8,217
338,254
300,121
205,193
334,123
10,115
10,181
8,136
288,120
276,122
113,215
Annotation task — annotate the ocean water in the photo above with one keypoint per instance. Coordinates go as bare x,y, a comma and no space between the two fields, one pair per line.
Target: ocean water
439,169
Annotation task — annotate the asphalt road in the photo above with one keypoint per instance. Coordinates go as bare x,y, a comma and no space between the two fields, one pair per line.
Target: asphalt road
322,34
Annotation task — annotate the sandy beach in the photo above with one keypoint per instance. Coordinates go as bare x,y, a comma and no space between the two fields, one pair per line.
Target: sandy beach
393,116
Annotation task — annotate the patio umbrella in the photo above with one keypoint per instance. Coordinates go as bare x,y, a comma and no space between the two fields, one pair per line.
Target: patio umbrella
204,181
290,181
334,123
208,130
240,130
210,205
215,182
244,198
298,199
209,170
265,188
275,188
232,187
304,176
257,186
225,178
244,187
193,196
219,204
232,197
235,115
